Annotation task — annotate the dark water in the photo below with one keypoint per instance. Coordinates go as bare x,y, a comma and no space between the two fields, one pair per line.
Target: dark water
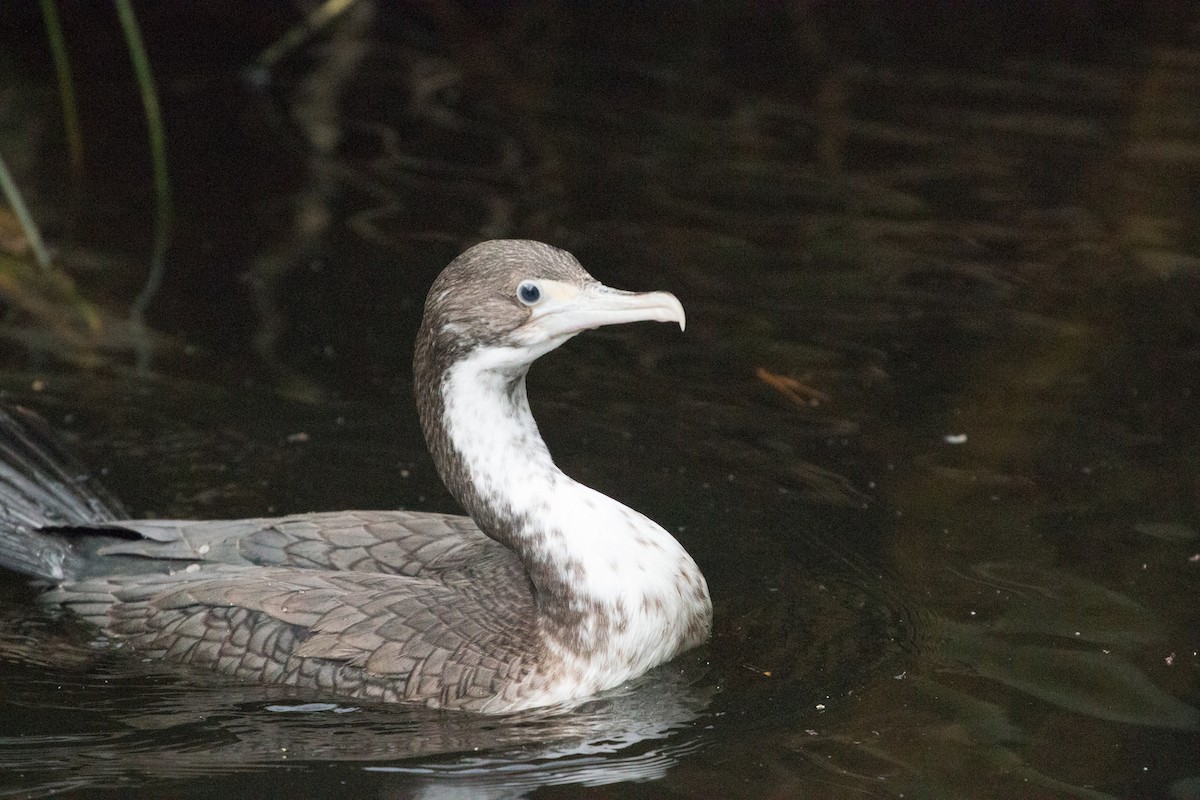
933,432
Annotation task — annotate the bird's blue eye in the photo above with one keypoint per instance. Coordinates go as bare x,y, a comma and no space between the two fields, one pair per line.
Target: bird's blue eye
529,292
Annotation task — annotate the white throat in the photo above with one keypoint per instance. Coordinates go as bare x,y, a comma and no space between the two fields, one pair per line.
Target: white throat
640,597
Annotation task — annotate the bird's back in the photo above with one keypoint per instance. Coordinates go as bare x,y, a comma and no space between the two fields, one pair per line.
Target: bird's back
389,605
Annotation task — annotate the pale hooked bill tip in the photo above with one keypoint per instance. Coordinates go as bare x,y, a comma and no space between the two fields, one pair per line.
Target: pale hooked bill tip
667,306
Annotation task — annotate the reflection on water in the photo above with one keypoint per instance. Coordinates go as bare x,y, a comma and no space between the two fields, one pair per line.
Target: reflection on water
137,723
931,434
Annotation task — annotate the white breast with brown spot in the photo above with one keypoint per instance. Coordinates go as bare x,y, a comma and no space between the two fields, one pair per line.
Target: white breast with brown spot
640,597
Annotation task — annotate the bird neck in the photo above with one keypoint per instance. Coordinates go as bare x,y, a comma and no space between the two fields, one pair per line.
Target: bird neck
600,571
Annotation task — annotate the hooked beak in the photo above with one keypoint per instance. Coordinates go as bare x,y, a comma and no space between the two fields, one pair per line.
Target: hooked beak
567,311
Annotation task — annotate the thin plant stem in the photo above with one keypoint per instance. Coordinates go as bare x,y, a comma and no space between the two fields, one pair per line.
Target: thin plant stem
32,235
298,35
66,88
158,149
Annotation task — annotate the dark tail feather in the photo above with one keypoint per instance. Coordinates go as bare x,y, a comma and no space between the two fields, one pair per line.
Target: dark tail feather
42,485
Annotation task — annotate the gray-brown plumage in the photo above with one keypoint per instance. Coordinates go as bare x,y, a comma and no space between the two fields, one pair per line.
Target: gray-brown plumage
550,592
